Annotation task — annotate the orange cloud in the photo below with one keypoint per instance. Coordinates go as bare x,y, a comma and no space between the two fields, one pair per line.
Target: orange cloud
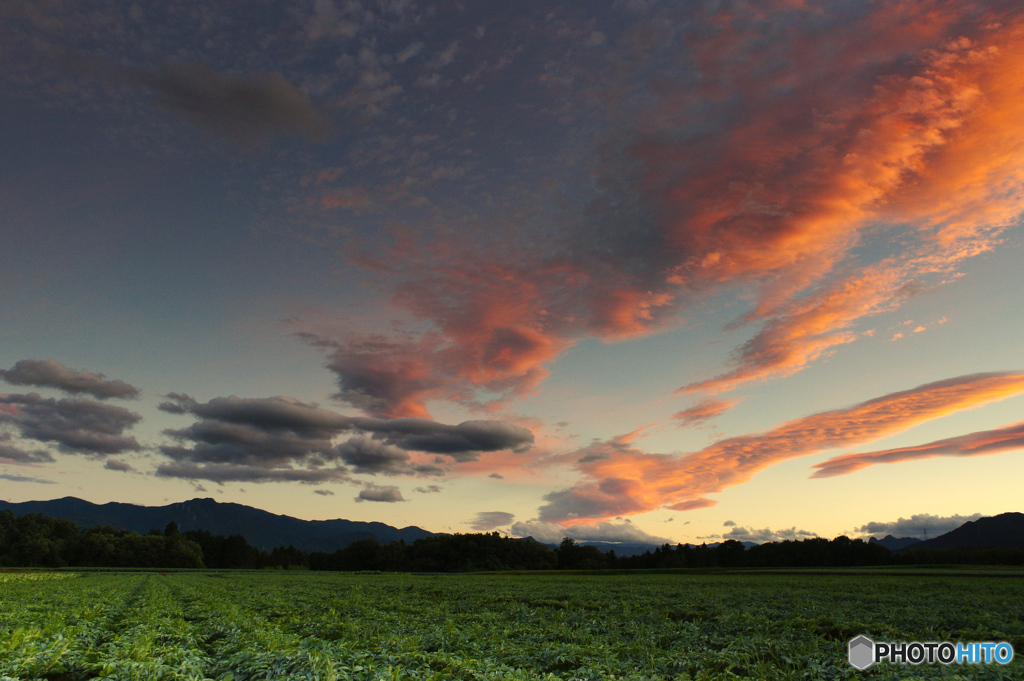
493,332
939,149
812,327
793,140
703,412
973,444
622,480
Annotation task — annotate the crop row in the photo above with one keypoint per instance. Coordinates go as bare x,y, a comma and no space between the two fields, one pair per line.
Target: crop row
9,577
247,626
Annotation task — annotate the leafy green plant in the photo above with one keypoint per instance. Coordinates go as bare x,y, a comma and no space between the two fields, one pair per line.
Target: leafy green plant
244,626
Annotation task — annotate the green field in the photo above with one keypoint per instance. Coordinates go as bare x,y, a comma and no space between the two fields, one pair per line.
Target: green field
302,625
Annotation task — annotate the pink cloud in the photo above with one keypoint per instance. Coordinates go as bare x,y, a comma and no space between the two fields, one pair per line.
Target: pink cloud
620,479
973,444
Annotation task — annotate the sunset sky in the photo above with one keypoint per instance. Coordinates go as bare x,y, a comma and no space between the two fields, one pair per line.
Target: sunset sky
632,269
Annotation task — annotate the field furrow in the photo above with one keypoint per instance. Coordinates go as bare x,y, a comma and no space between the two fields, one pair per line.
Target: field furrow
236,626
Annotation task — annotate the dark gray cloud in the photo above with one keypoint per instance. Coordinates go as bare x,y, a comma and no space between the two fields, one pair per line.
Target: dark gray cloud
179,404
324,492
496,476
552,533
52,374
488,520
367,455
279,433
115,465
463,442
218,442
222,472
172,408
389,494
12,454
765,535
253,440
267,414
429,489
23,478
76,425
918,525
248,110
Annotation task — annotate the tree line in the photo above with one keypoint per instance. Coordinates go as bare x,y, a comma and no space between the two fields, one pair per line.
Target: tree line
814,552
36,540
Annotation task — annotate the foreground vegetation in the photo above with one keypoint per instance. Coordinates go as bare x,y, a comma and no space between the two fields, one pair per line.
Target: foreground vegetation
305,625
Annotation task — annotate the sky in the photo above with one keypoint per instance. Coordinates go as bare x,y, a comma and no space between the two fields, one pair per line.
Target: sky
632,270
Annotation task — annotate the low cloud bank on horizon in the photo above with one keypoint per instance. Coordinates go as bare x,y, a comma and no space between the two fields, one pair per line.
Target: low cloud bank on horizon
282,439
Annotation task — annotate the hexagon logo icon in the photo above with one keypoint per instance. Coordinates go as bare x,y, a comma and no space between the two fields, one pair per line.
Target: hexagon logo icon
862,652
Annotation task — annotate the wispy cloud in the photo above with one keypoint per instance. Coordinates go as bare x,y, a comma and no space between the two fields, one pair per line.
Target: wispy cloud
973,444
230,472
620,479
23,478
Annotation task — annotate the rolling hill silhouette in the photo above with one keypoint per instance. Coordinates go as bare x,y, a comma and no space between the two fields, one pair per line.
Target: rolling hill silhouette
1005,530
261,529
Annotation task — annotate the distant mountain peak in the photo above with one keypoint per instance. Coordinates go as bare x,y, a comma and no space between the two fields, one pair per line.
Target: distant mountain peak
894,543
